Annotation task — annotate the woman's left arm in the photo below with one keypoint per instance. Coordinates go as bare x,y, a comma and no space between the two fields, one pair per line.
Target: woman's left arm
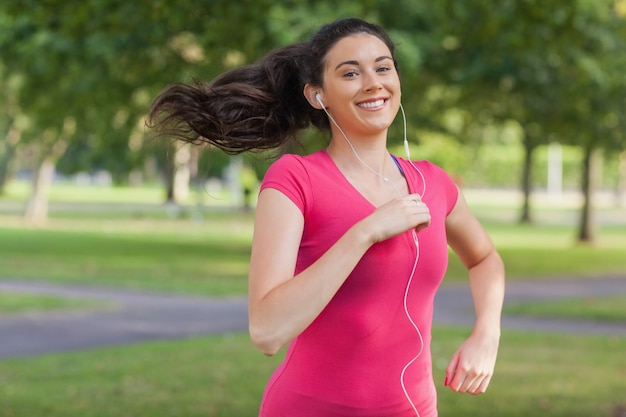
471,368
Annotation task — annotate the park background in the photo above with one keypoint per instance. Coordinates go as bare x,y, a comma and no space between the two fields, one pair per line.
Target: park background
523,102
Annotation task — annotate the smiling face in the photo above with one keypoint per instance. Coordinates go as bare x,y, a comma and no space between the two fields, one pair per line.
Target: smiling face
361,85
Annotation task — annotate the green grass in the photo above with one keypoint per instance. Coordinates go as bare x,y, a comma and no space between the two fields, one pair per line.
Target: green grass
124,236
166,255
611,309
537,374
551,251
221,376
540,374
72,193
128,239
22,303
211,257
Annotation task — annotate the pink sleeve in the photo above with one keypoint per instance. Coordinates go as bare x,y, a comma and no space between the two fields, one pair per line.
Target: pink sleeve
289,176
445,183
432,181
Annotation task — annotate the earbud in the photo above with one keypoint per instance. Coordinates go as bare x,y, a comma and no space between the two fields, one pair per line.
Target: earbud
318,97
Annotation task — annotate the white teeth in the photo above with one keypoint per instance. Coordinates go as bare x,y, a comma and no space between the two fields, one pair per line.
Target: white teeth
372,104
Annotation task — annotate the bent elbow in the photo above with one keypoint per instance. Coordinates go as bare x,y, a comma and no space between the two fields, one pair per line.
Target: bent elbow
266,345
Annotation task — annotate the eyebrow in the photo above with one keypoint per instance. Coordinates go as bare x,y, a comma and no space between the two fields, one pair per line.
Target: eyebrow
380,58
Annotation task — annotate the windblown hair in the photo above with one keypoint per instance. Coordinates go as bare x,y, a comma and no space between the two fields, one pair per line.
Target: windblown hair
258,106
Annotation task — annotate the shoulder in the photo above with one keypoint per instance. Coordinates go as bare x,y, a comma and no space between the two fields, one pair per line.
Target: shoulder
291,164
430,168
426,168
432,179
292,175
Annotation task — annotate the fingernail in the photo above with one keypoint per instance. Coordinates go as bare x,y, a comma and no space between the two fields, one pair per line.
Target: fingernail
445,383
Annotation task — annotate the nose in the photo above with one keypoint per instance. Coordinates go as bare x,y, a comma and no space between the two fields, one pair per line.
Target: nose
371,81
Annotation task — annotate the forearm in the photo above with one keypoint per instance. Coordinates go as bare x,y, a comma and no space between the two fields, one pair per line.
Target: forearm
472,366
288,309
487,283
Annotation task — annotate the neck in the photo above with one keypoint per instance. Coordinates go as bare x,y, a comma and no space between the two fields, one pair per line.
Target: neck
369,158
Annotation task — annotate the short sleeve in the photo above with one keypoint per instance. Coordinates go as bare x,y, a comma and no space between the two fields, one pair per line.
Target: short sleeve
446,184
431,181
289,176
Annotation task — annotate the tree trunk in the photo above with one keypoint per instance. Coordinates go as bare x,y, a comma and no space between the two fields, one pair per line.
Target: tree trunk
10,148
37,206
526,185
620,191
182,172
586,232
168,174
177,172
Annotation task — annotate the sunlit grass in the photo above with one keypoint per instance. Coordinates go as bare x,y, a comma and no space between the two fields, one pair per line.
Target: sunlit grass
540,374
72,192
224,376
206,250
11,303
610,308
148,246
182,260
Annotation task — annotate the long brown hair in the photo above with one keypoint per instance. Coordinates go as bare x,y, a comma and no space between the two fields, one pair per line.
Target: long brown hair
258,106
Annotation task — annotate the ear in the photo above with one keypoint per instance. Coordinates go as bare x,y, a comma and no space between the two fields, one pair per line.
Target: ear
309,93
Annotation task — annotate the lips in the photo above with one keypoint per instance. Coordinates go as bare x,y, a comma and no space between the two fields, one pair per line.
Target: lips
372,104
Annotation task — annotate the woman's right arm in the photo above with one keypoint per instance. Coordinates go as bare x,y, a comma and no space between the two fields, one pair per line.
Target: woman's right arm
281,306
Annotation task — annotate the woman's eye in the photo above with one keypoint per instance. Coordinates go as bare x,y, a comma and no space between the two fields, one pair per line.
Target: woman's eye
350,74
384,69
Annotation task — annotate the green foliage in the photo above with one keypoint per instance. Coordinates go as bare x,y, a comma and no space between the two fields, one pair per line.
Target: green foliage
552,70
498,165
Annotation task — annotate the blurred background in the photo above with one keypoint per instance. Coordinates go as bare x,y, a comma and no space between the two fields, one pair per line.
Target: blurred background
519,95
522,102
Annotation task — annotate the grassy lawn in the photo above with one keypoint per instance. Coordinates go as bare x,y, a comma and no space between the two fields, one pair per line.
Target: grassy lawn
537,374
165,255
210,255
183,256
611,309
127,239
24,303
542,375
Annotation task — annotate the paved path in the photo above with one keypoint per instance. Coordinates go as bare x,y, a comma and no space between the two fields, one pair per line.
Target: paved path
133,316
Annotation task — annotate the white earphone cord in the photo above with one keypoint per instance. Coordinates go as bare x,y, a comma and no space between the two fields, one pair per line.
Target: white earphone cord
415,239
354,150
408,153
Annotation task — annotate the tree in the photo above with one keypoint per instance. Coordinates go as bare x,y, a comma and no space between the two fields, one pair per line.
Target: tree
11,127
534,62
592,79
98,63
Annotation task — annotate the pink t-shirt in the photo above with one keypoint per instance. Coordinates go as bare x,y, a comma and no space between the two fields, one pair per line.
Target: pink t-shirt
350,360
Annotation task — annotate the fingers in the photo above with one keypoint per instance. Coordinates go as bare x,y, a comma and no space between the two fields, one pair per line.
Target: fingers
463,378
415,201
421,211
474,384
399,215
472,365
416,198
